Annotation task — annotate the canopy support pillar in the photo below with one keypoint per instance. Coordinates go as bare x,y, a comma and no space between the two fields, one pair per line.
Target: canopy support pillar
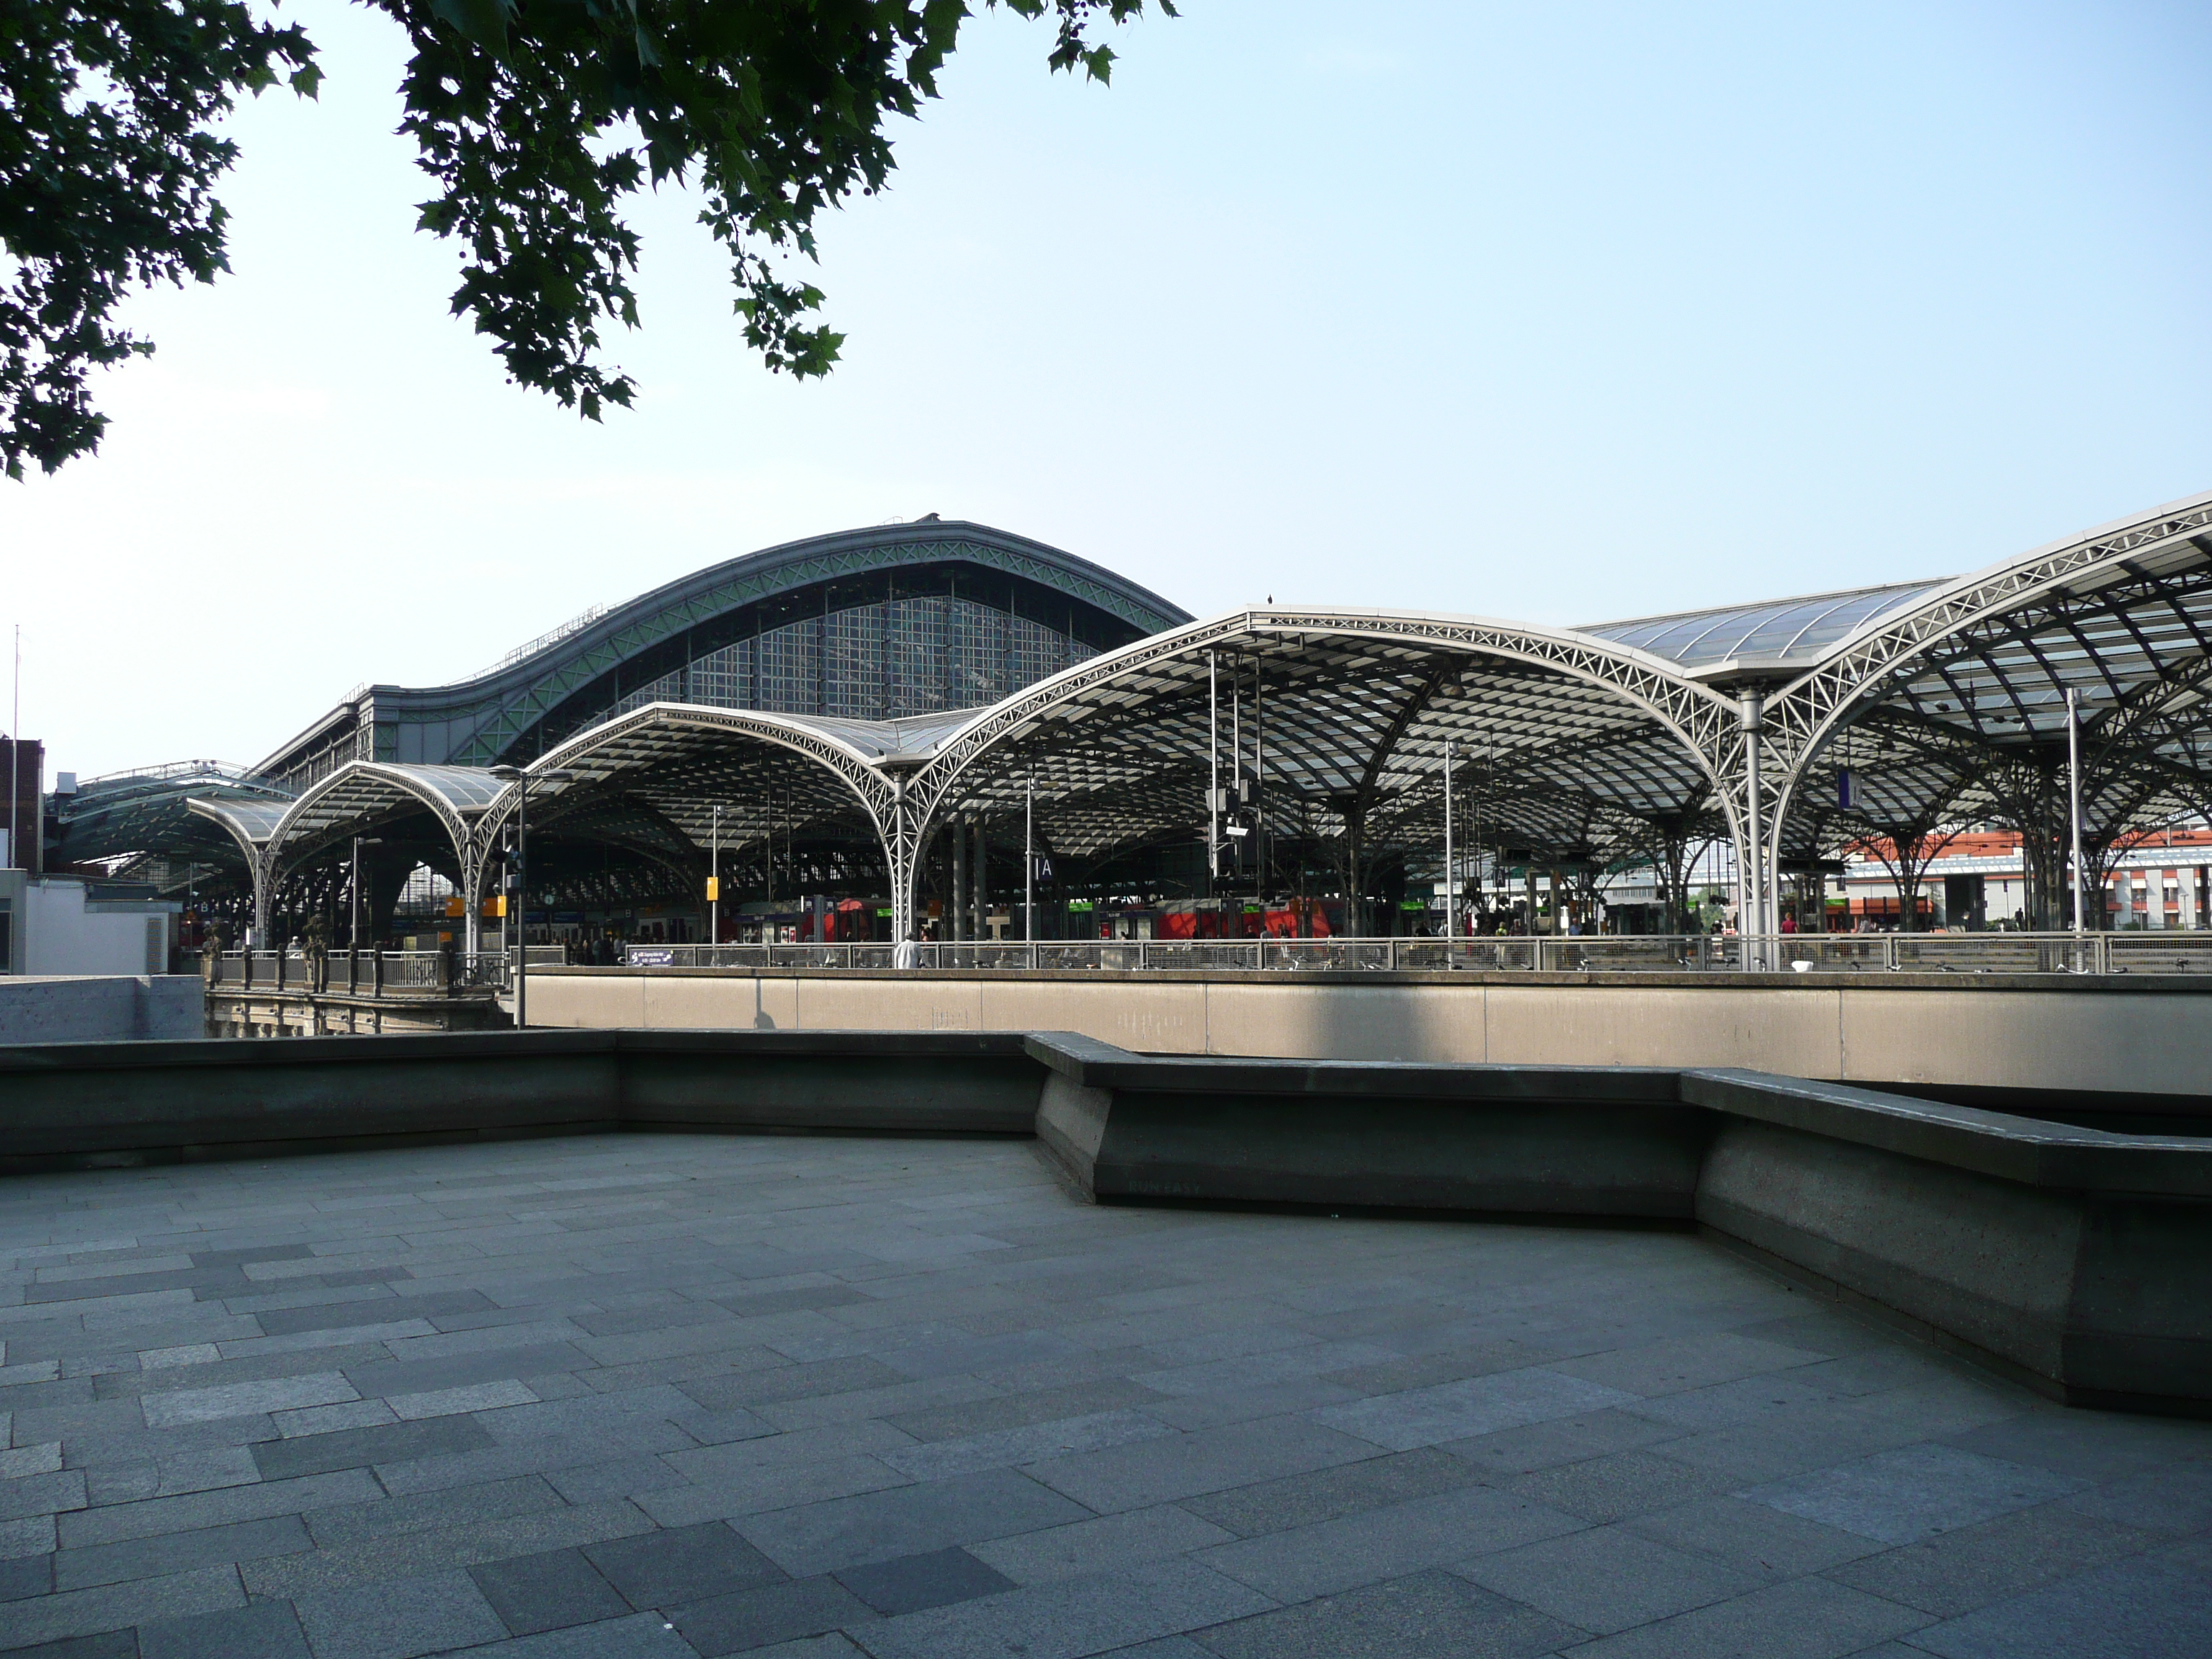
264,881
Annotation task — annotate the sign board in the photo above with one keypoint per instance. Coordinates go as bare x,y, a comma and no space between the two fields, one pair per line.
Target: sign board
714,889
647,955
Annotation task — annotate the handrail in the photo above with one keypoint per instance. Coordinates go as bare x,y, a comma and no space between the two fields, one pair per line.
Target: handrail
365,973
2167,951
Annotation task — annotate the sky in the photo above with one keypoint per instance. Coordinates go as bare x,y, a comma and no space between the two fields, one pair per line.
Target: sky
1560,313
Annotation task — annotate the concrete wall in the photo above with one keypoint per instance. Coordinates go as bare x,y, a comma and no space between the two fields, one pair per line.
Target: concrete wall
2136,1033
2079,1260
50,1009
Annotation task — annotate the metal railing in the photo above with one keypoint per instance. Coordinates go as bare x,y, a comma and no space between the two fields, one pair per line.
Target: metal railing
376,973
2167,952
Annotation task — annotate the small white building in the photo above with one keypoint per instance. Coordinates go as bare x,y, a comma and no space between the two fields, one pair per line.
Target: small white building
63,925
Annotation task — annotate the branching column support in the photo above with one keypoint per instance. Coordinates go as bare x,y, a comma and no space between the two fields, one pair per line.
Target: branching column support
265,886
475,858
1751,839
900,847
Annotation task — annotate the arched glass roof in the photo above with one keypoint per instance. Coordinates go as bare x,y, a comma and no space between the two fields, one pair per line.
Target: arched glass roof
146,810
1786,633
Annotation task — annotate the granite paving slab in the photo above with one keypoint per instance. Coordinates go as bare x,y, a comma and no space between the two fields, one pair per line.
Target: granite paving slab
677,1395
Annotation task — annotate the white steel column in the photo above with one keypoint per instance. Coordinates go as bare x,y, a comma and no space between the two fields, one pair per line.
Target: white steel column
902,853
1751,876
981,920
472,869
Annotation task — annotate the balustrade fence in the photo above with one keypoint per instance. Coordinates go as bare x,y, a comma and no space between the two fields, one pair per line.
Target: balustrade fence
376,973
1803,953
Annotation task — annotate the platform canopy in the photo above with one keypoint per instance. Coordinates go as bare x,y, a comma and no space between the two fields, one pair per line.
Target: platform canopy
1945,703
1890,716
1345,720
771,800
140,822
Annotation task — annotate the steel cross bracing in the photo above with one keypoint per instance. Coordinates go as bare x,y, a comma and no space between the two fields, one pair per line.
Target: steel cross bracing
663,736
1697,719
2002,603
360,794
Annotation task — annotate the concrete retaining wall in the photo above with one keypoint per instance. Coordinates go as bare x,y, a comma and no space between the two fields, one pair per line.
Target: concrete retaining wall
137,1103
100,1008
2139,1034
2076,1259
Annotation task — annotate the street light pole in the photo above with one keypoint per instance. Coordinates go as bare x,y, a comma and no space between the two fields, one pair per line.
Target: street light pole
352,918
714,885
1212,774
1451,869
1029,860
2074,801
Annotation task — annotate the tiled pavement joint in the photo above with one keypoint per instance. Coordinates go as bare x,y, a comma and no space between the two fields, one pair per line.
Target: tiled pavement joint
673,1396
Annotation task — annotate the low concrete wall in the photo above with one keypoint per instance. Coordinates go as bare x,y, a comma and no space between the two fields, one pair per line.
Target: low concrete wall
2077,1259
74,1105
1587,1141
2139,1034
2080,1258
100,1008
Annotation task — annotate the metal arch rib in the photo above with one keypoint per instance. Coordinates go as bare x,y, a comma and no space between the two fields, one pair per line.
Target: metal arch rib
880,797
794,733
1803,708
1807,711
250,824
1697,717
425,784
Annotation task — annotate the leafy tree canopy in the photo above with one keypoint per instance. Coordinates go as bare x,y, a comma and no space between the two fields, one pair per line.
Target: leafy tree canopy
536,117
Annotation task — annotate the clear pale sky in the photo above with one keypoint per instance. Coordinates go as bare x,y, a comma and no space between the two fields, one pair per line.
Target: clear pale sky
1564,314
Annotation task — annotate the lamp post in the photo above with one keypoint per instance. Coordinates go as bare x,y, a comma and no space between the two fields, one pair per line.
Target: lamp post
353,915
1212,776
522,781
714,885
1451,870
2074,801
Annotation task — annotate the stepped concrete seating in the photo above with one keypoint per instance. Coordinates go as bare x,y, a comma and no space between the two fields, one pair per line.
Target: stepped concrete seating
2076,1258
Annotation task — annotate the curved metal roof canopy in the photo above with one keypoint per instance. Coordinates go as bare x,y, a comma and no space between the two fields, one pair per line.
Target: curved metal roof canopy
1946,700
1344,717
1953,707
147,813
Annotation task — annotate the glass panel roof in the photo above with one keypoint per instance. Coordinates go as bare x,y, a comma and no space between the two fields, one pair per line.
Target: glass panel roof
1782,631
252,820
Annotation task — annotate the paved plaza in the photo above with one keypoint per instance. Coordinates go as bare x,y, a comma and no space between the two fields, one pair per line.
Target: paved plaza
661,1396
